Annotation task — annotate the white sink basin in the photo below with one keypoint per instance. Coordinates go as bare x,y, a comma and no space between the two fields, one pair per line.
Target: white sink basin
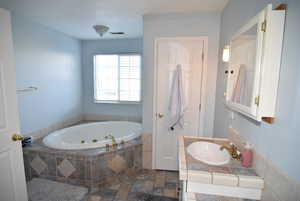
209,153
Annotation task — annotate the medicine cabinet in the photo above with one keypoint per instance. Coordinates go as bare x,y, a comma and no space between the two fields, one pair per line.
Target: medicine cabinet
254,65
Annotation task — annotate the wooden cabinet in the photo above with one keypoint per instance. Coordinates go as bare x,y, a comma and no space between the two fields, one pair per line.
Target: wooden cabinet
254,66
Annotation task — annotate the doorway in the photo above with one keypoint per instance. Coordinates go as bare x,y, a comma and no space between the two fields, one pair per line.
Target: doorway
190,54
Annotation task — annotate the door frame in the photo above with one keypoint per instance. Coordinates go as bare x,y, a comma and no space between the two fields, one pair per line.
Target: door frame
202,87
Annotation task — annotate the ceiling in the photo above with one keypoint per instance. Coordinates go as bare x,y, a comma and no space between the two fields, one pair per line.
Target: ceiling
76,17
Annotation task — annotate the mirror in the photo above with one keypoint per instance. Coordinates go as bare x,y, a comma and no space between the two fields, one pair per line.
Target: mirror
246,48
242,66
254,65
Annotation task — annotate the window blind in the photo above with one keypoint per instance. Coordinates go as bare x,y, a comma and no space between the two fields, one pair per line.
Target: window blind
117,78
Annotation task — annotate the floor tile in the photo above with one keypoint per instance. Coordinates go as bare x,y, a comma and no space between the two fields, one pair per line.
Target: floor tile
105,194
123,192
148,197
158,191
94,198
144,186
171,185
148,185
170,193
45,190
160,179
172,177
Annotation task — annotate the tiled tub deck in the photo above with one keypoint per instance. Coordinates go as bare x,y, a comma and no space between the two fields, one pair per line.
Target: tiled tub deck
91,168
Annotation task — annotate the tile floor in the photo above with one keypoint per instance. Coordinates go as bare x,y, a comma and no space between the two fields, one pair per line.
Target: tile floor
47,190
148,185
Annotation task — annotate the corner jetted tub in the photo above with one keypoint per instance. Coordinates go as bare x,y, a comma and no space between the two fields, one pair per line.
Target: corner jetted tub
92,135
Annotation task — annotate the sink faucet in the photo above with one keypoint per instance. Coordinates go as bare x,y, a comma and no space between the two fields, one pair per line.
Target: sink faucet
113,139
233,151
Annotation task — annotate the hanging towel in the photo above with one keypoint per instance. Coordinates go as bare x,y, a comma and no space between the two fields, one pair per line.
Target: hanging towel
176,105
240,89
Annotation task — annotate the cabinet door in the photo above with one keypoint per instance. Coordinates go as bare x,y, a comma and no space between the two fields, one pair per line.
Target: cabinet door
244,67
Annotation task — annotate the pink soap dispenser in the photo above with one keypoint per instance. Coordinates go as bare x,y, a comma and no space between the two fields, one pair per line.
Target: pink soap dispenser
247,155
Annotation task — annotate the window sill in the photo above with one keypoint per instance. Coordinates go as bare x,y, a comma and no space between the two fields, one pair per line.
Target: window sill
118,102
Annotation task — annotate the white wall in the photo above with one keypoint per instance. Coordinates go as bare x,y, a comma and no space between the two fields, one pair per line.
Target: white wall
172,25
278,142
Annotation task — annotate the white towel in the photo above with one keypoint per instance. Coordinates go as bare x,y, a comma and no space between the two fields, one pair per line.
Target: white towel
240,89
176,105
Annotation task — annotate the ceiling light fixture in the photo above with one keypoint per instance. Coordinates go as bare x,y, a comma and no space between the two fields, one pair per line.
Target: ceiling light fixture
101,29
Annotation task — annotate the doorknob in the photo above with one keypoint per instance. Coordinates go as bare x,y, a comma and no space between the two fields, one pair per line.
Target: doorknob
160,115
17,137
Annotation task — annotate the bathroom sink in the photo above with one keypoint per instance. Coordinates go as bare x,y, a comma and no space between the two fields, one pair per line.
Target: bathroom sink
209,153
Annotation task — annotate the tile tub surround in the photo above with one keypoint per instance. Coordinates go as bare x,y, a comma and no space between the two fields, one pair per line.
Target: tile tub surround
147,150
231,175
278,185
91,168
103,117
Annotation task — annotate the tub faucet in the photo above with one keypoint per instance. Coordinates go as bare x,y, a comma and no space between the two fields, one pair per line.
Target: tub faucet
113,139
233,151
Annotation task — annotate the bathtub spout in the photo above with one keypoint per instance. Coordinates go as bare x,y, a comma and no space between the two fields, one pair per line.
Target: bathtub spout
113,139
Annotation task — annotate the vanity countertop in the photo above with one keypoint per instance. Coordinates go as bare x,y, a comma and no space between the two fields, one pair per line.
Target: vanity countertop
232,174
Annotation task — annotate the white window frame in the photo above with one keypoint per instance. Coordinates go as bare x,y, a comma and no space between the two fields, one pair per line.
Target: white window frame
119,101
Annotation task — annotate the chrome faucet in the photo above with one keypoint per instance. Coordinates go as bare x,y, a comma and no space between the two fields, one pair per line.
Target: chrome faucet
233,151
113,139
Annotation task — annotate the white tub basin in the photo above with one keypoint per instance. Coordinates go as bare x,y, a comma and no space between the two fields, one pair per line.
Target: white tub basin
209,153
92,135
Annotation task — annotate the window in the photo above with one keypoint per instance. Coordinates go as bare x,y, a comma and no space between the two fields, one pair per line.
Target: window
117,78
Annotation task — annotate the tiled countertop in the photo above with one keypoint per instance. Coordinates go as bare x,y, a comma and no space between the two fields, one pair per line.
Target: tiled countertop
232,174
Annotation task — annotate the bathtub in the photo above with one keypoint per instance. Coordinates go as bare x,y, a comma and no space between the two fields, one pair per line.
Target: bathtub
92,135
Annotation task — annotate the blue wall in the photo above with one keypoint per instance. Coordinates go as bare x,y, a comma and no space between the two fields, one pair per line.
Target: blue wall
181,25
51,61
91,47
278,142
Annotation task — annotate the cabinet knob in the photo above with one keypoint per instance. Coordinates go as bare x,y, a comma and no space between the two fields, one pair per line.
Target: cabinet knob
232,72
226,71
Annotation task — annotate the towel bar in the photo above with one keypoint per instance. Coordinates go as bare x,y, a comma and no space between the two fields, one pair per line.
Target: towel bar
27,89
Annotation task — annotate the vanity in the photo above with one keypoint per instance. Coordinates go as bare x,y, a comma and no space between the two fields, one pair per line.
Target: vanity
208,172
